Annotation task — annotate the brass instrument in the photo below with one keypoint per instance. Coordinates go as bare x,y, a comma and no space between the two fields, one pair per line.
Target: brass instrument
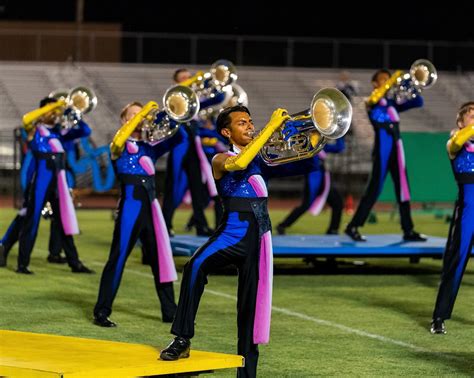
209,85
70,106
180,104
402,86
328,117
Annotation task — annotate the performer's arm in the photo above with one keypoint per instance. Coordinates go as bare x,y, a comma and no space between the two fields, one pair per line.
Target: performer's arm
81,130
415,102
335,148
458,139
118,143
167,145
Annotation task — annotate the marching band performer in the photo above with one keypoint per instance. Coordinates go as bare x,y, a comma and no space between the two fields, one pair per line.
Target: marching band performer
49,182
388,156
461,231
212,143
184,171
243,238
318,191
139,214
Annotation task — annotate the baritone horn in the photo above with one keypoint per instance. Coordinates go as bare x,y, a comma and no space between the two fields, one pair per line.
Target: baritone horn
405,85
79,101
213,87
69,106
180,104
328,117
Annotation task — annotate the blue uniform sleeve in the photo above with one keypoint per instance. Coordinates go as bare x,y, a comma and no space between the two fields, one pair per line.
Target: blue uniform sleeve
81,130
337,147
217,99
416,102
168,144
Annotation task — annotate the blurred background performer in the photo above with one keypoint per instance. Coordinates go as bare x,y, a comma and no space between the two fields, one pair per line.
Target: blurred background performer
211,144
49,181
461,231
139,214
318,191
387,156
183,171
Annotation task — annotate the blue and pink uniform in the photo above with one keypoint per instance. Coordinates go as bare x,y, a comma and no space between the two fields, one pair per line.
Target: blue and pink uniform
461,233
49,184
243,238
139,216
388,156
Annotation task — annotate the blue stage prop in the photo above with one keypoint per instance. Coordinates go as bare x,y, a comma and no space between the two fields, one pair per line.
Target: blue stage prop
389,245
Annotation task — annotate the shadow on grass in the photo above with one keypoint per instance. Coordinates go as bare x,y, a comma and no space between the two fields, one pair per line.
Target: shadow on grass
461,363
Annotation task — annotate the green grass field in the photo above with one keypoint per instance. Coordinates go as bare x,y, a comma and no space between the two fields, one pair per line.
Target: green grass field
357,320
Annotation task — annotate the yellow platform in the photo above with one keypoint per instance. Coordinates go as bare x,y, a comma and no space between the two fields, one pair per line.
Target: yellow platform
24,354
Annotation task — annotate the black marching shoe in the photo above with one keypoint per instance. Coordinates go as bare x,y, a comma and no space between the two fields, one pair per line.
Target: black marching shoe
56,259
171,232
104,321
438,327
178,348
354,234
23,270
81,268
414,236
3,257
281,230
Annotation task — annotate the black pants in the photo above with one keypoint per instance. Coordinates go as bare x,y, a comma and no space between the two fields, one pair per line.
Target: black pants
236,241
334,200
188,161
43,189
457,252
134,221
385,159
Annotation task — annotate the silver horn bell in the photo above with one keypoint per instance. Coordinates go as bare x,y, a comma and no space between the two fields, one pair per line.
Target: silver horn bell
328,117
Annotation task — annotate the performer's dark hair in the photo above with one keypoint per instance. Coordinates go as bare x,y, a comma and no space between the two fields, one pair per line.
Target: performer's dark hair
463,109
223,120
378,72
46,101
178,71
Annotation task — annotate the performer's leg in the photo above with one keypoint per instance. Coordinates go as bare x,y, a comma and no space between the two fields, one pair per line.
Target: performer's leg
402,189
13,233
40,190
54,238
381,156
176,183
246,302
456,256
65,242
193,171
336,204
312,185
165,290
226,244
126,233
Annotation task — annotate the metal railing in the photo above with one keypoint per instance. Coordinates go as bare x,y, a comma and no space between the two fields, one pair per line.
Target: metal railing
132,47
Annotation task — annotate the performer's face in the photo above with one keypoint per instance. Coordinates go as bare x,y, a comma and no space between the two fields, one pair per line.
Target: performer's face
183,76
241,129
52,117
381,79
467,119
129,114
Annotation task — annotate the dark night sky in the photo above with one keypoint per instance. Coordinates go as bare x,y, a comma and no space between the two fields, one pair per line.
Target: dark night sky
333,19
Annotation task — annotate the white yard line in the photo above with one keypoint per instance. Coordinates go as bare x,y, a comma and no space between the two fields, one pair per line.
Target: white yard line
313,319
